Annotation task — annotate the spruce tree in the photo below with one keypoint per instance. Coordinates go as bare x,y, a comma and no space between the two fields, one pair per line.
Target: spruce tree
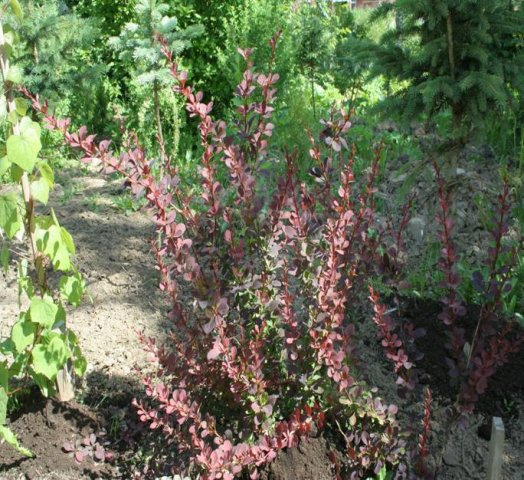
315,44
465,56
52,54
138,45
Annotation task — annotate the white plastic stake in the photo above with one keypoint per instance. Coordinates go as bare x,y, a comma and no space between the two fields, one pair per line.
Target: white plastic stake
496,447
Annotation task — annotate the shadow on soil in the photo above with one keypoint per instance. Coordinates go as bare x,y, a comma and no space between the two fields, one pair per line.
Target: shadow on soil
44,425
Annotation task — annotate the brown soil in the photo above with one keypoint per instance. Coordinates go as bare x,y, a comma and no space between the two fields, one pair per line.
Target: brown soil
308,461
505,388
466,452
43,427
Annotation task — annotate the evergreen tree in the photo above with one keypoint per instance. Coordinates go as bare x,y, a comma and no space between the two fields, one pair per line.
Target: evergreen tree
138,46
461,55
315,44
52,54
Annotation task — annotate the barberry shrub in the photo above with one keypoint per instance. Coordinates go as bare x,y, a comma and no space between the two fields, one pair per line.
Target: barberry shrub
260,271
473,361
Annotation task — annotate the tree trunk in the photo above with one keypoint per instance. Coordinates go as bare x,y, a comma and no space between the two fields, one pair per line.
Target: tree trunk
451,50
313,96
158,120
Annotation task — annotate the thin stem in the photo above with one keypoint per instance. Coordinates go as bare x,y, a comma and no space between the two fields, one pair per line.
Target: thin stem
26,187
158,120
485,310
451,49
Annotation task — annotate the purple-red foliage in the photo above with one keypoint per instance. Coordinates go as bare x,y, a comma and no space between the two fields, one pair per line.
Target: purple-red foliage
259,284
421,466
391,264
259,279
453,308
493,340
392,344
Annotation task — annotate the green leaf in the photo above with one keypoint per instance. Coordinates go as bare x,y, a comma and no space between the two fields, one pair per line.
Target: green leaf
23,333
80,362
12,117
11,439
48,388
43,311
47,173
24,281
4,164
28,127
14,75
17,10
4,257
73,288
4,376
7,48
16,173
51,242
50,357
7,347
40,190
18,365
3,404
68,240
66,236
10,220
23,148
60,319
21,106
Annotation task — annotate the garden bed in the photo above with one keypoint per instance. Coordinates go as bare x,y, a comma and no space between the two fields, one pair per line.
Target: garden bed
107,328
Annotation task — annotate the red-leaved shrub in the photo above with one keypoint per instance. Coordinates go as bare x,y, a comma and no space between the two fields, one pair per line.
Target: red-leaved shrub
262,272
493,339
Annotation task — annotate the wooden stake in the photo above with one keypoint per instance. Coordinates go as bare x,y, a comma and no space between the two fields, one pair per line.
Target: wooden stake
64,381
496,447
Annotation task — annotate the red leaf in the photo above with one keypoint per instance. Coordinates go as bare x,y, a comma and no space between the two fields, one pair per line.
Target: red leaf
179,230
79,457
100,453
68,447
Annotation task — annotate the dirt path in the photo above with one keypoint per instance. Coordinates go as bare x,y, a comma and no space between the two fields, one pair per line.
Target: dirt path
113,255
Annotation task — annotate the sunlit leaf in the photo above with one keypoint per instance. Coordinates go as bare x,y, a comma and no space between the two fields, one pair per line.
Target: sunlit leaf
11,439
10,220
40,190
17,10
23,334
43,311
48,358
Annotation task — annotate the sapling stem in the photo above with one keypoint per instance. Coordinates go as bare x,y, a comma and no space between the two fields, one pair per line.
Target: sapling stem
64,376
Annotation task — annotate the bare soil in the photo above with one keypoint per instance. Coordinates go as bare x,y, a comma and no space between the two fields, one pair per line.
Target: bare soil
43,427
465,450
